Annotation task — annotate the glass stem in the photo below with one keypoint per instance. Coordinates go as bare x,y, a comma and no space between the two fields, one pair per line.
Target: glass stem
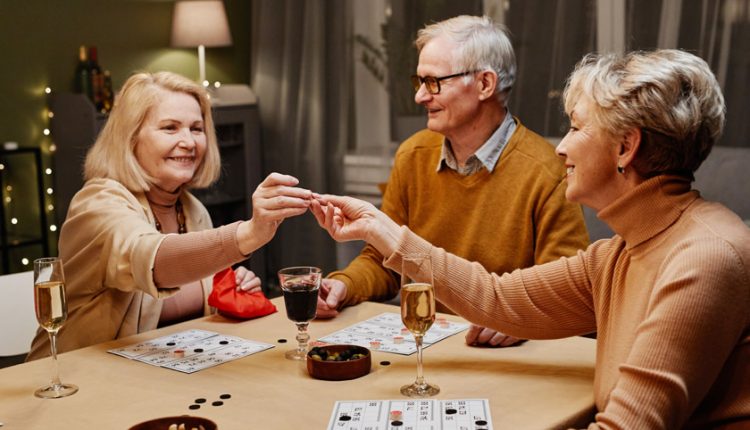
56,368
420,377
302,338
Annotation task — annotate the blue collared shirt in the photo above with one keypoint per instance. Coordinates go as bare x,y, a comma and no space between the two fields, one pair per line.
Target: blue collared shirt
486,156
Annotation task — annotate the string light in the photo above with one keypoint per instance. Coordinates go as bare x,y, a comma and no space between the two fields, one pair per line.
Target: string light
48,171
52,227
14,220
25,261
50,191
47,90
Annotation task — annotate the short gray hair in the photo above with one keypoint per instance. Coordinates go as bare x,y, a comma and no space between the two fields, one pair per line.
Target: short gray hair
670,95
482,45
113,153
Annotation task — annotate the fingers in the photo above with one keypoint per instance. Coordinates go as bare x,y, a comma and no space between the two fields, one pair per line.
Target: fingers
472,333
246,280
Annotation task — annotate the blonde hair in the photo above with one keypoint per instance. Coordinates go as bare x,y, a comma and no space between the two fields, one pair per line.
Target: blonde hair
113,154
670,95
481,45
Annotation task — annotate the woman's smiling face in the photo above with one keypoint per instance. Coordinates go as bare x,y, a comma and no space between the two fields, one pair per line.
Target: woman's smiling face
172,141
590,158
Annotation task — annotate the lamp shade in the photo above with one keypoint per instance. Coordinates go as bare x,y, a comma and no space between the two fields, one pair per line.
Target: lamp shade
196,23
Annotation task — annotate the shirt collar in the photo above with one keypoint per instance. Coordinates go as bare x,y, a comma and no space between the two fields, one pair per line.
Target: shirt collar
487,155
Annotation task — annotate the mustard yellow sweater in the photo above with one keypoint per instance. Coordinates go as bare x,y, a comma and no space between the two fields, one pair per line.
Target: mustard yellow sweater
516,216
669,296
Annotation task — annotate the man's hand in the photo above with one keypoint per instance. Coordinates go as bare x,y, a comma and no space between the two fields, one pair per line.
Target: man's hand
483,336
332,292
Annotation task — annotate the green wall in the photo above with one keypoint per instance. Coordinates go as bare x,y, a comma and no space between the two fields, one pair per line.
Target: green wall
39,46
39,42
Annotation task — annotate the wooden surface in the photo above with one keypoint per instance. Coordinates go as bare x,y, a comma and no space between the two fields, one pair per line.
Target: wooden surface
538,385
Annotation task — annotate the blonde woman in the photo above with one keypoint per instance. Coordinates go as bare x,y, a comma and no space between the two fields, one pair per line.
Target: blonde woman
668,295
139,250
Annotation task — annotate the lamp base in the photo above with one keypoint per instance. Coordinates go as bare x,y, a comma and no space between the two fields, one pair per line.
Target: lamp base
232,95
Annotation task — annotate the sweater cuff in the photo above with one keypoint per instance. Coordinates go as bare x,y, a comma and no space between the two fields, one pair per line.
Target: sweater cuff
410,243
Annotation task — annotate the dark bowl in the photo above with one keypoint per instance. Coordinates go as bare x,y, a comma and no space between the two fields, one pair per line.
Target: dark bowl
340,370
164,423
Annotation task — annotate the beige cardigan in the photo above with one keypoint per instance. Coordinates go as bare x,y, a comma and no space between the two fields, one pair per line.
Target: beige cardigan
108,244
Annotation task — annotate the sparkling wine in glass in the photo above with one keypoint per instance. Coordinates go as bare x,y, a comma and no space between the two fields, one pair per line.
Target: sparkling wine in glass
300,287
418,313
51,313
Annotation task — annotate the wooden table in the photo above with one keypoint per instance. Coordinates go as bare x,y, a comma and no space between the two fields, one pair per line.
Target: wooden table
538,385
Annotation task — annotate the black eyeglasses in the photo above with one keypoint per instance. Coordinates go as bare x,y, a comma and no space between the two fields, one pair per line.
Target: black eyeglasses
432,83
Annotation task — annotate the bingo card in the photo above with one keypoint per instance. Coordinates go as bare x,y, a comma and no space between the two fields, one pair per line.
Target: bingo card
411,414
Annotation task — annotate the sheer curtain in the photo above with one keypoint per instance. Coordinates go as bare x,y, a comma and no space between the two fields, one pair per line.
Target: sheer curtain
301,71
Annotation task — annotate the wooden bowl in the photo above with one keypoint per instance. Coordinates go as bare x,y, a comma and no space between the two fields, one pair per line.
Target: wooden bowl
164,423
339,370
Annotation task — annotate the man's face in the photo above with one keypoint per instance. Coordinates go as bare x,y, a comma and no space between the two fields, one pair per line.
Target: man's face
454,110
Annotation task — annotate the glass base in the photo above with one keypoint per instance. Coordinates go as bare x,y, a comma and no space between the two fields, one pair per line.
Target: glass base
296,354
420,390
56,391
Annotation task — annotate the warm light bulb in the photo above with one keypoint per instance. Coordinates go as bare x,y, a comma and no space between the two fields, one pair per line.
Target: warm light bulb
50,207
14,221
2,166
46,132
217,84
53,228
25,261
48,171
50,114
49,191
52,148
7,199
206,83
47,90
9,188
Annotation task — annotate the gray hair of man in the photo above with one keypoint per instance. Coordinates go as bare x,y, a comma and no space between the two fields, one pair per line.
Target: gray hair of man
481,45
672,96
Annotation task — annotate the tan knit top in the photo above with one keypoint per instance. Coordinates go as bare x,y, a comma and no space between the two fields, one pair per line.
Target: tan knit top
669,296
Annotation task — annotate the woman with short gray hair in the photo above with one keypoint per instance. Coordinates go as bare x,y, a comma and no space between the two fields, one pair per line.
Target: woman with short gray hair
668,295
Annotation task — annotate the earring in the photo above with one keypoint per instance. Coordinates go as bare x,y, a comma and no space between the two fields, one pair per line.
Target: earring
620,169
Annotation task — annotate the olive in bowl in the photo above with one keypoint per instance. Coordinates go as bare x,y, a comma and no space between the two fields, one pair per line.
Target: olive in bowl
338,362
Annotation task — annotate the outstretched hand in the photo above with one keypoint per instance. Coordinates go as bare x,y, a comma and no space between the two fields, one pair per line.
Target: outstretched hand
344,218
275,199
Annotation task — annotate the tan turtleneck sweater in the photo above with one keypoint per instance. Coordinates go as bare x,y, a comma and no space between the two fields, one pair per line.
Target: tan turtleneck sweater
668,295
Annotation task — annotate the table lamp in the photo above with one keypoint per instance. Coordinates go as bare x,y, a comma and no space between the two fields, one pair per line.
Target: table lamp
200,23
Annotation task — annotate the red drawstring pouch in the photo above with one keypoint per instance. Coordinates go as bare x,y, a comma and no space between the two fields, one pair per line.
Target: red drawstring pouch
237,304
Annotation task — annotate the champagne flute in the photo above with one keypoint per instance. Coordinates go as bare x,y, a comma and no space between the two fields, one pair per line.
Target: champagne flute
300,286
51,312
418,314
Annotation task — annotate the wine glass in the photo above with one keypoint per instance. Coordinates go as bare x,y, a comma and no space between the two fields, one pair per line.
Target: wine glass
51,312
300,286
418,313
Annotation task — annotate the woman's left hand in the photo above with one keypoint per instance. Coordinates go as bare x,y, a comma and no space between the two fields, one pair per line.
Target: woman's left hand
246,280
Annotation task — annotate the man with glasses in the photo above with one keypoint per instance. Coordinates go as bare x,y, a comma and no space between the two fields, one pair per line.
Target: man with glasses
476,182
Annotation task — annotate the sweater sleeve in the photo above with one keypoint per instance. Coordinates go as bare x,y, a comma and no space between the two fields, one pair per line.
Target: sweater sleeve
542,302
365,277
183,258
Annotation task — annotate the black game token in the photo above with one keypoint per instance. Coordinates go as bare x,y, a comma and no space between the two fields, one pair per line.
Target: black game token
396,423
480,422
200,400
450,411
385,363
198,350
217,403
171,344
194,406
225,396
345,418
224,342
281,341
